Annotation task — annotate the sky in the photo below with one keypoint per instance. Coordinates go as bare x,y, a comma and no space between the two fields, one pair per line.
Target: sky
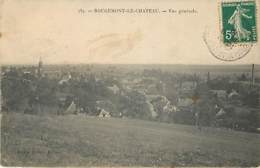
58,33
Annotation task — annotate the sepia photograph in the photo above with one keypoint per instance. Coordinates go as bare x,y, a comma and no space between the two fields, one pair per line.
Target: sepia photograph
130,83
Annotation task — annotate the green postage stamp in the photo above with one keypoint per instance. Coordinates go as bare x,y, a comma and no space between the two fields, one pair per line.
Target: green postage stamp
239,21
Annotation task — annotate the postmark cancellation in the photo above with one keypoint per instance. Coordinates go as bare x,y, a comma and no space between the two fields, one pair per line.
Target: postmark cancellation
237,31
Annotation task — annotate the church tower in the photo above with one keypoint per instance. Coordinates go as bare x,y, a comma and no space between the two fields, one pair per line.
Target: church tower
40,64
208,77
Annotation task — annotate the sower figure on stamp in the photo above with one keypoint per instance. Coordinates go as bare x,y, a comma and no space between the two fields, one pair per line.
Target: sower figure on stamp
236,21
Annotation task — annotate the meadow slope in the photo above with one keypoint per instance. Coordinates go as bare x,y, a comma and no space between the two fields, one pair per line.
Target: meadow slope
75,140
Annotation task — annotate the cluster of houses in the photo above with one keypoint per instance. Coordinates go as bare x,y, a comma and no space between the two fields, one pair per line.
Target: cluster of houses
152,88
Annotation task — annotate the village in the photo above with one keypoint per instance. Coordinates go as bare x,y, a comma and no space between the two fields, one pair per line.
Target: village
202,98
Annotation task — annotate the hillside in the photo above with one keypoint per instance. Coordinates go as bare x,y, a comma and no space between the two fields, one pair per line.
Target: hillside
77,140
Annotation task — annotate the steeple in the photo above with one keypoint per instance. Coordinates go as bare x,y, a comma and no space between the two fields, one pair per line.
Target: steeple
208,77
40,67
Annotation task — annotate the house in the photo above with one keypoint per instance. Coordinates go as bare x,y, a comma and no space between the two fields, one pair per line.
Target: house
151,109
220,113
233,94
104,114
65,79
115,89
105,105
168,108
188,85
184,102
72,109
220,94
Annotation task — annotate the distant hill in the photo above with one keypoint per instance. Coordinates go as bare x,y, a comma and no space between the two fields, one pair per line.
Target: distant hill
219,69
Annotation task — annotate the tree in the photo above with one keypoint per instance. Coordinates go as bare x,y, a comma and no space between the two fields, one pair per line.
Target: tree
16,89
251,98
135,105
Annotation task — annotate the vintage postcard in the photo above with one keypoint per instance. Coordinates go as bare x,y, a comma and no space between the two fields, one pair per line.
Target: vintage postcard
130,83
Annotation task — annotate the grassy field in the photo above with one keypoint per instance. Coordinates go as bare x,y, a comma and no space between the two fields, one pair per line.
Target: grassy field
30,140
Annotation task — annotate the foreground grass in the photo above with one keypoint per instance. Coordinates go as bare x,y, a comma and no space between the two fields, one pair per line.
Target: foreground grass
30,140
